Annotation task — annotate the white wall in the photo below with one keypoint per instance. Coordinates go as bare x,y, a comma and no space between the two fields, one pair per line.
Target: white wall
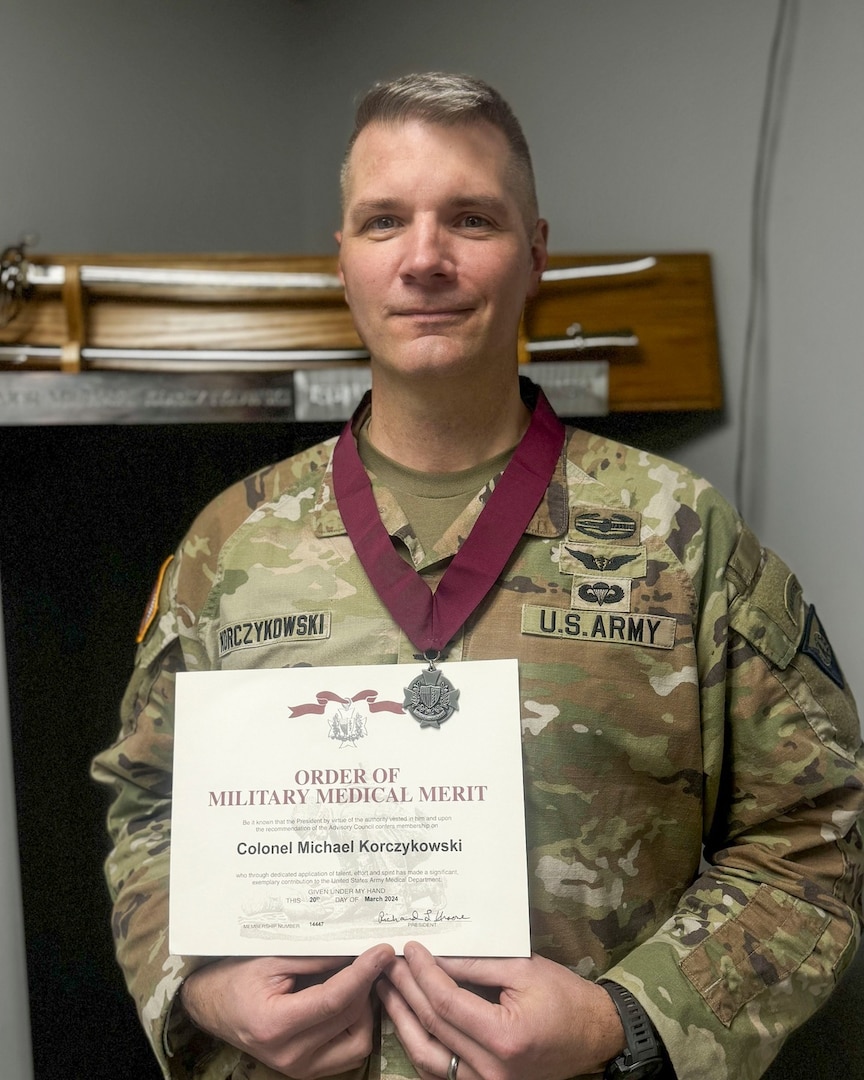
211,125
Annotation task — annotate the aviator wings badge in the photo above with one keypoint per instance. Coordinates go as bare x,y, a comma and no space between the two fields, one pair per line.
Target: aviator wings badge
431,698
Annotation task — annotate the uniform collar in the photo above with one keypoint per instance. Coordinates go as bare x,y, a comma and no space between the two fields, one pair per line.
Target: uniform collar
549,520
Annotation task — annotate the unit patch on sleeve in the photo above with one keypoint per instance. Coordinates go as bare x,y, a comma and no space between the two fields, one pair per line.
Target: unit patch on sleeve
653,631
153,603
308,625
816,645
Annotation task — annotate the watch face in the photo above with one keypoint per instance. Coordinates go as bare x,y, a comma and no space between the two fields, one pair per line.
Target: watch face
644,1070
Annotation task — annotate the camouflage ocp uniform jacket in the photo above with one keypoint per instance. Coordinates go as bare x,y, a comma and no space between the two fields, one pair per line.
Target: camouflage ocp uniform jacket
679,700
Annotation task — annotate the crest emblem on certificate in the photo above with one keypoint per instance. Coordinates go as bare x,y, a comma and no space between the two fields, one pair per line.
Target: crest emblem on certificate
347,726
431,698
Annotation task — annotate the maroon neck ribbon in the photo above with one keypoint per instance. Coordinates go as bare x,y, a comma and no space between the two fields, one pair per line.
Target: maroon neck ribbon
431,620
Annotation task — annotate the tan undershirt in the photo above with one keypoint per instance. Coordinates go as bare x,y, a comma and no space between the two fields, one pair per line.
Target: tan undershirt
431,502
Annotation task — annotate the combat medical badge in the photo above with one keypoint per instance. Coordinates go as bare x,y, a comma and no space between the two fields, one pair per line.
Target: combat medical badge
601,525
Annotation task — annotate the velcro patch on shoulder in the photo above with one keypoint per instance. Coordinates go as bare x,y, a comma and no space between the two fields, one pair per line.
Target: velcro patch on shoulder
764,944
816,645
770,614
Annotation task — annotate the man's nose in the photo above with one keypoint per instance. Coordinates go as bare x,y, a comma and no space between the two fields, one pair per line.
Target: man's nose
428,255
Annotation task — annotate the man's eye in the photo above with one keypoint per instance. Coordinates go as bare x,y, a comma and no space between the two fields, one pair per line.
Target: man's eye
382,224
475,221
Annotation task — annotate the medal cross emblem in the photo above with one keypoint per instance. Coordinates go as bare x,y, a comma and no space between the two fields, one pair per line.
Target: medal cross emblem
431,698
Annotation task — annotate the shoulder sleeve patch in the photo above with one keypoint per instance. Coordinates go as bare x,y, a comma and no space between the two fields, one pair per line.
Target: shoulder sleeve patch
816,645
153,603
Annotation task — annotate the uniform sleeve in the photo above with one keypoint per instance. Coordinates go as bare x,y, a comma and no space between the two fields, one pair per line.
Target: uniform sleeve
760,939
138,769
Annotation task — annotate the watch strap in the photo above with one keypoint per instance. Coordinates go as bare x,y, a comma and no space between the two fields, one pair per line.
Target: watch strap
644,1055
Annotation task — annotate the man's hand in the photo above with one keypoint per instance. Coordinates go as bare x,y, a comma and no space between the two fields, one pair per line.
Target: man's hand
544,1021
305,1017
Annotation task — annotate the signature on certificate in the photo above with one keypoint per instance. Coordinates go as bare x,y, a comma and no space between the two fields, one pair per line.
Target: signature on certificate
430,915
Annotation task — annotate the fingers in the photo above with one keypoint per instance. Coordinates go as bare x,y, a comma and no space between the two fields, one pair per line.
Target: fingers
335,1020
295,1014
439,977
326,1007
436,1018
288,974
332,1047
484,971
429,1056
546,1021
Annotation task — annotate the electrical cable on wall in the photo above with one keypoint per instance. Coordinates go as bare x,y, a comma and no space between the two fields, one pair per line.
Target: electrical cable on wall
756,338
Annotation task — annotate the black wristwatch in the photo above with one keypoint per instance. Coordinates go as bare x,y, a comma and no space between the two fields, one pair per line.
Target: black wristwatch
644,1055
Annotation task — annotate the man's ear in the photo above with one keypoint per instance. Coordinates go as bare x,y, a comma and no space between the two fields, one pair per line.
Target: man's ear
539,254
338,236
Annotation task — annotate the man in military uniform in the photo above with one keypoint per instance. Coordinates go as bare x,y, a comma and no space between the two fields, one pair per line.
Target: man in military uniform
693,764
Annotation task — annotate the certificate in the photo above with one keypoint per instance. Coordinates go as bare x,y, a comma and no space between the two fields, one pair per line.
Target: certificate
314,813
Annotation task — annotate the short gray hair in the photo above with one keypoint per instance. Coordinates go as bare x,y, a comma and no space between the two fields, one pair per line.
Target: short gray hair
436,97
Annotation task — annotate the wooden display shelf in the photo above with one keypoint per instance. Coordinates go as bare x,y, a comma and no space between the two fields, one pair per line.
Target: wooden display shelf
651,317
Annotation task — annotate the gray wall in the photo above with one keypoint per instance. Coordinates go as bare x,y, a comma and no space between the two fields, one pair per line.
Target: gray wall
14,1022
208,125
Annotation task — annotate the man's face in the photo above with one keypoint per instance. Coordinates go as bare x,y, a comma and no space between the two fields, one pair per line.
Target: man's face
435,255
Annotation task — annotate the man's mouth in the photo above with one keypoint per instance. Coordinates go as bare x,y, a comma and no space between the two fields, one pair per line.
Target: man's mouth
432,313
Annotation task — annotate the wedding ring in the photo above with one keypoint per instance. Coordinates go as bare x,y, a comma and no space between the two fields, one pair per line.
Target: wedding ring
454,1067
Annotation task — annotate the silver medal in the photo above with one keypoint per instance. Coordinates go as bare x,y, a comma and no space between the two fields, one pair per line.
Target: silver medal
431,698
